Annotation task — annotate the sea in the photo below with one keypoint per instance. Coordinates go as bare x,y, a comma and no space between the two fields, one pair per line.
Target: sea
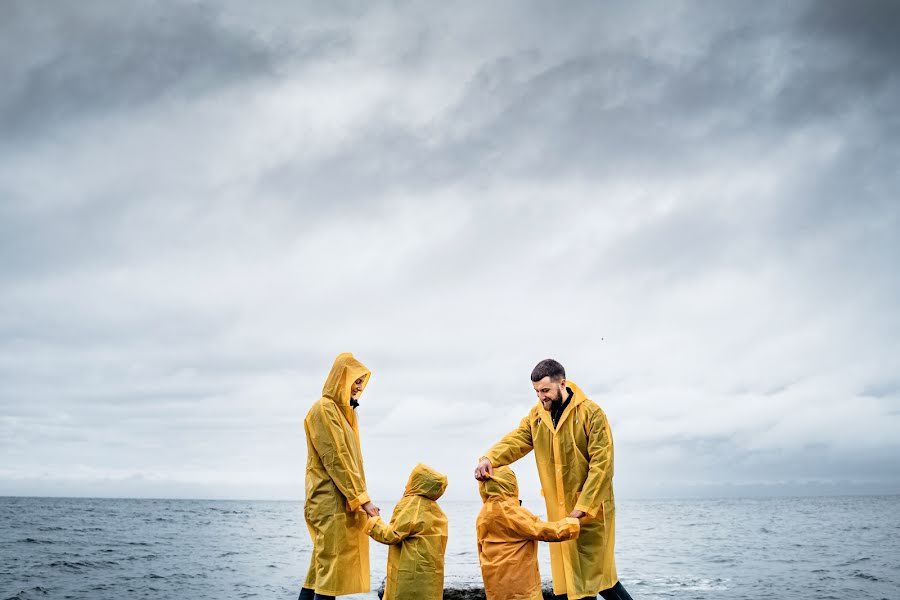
792,548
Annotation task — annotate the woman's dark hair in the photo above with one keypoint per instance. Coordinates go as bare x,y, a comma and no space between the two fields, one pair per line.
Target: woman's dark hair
548,368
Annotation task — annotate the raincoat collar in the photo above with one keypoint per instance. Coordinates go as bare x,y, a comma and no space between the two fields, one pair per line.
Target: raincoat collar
577,398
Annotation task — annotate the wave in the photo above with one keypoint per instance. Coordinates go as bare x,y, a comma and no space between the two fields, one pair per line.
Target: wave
78,565
855,561
28,594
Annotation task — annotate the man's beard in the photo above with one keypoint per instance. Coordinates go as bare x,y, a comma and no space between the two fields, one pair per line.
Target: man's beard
555,401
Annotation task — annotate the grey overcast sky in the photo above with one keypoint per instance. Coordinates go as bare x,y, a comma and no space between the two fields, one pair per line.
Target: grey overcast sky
693,206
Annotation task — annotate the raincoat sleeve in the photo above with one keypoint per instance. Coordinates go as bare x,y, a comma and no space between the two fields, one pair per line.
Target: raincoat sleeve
395,532
336,458
557,531
514,445
600,449
526,525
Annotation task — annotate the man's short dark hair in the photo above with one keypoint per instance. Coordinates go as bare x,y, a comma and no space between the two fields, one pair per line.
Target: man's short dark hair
548,368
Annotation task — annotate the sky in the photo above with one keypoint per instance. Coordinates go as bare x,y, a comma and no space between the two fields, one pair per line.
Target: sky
692,205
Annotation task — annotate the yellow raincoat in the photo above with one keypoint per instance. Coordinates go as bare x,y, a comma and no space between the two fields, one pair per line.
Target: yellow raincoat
417,535
336,487
575,465
507,540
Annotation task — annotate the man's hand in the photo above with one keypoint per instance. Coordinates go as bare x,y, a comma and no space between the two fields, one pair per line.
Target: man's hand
577,514
371,509
484,470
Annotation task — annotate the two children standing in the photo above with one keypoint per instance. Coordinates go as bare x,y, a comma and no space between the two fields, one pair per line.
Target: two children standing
507,539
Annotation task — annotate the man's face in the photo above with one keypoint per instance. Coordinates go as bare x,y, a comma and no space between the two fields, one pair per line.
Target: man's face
356,388
549,391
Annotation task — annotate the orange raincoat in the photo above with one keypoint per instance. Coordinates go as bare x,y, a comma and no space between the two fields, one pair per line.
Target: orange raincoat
507,540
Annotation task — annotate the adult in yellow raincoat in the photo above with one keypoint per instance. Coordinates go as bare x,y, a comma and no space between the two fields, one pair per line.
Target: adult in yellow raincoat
573,448
337,503
507,539
417,535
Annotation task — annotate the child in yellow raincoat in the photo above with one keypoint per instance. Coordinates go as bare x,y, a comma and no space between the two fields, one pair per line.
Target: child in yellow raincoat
417,535
507,539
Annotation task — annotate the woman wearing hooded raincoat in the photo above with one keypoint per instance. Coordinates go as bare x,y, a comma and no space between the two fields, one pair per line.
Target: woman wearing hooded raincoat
337,502
507,539
575,465
417,535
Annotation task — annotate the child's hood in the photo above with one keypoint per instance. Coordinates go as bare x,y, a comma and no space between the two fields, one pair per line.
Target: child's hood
502,484
425,481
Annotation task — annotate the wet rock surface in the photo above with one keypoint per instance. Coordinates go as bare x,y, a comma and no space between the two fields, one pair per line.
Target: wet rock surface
472,593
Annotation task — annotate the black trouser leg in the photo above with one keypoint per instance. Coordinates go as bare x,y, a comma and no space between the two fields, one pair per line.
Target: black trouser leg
308,594
616,592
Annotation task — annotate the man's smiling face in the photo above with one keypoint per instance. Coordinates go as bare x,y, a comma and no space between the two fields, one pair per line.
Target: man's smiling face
549,391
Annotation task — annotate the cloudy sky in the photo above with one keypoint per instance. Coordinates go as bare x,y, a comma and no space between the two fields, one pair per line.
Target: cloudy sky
693,206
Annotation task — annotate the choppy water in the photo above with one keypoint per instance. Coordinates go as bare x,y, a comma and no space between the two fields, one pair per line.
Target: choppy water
797,548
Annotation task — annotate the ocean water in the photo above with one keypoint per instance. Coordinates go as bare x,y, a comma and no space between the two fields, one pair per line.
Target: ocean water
793,548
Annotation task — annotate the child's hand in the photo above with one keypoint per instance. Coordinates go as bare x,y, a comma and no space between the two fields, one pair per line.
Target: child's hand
577,514
371,509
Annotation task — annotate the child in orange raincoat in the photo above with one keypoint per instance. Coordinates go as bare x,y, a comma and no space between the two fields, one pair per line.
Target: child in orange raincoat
507,539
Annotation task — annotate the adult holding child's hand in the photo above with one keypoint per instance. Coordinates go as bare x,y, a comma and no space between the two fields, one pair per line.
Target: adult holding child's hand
337,504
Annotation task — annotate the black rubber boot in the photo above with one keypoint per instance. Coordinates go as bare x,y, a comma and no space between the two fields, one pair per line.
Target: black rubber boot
307,594
616,592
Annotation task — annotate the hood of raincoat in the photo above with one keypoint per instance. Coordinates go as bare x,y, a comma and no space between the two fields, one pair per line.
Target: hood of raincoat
425,481
502,484
345,370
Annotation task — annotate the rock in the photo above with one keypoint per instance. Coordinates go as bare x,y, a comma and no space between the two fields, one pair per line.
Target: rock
475,592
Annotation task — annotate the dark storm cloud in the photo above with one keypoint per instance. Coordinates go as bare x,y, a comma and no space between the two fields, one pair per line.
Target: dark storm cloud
868,28
624,108
75,62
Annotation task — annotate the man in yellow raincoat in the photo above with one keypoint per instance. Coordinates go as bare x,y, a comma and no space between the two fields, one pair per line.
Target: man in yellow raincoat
507,536
417,535
573,448
337,503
